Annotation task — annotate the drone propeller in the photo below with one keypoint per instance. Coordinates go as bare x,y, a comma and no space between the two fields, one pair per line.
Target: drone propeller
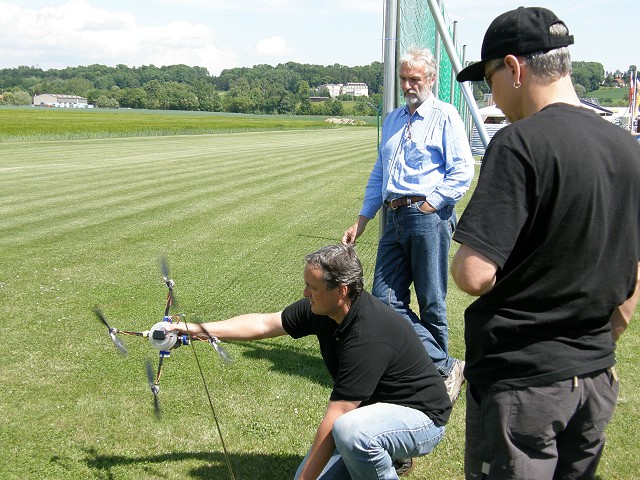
224,355
164,266
216,344
154,389
171,298
112,332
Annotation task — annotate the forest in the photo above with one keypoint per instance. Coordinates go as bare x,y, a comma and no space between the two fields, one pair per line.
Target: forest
286,88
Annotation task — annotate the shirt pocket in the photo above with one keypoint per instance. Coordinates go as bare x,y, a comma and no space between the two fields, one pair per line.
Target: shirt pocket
420,159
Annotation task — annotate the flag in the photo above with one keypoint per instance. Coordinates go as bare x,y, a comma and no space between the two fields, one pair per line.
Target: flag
634,85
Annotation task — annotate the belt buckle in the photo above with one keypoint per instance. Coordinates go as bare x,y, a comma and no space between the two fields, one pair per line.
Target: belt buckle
390,204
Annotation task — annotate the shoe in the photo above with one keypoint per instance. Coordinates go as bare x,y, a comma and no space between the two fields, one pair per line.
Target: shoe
404,466
455,380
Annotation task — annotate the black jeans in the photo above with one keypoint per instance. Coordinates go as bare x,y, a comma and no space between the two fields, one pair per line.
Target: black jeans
551,432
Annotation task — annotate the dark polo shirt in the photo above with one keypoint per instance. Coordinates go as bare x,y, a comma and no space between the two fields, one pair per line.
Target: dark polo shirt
373,356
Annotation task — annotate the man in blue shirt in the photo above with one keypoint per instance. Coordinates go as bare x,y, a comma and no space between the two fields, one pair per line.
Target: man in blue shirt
424,167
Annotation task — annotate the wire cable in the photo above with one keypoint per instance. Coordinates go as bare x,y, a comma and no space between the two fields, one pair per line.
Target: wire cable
213,410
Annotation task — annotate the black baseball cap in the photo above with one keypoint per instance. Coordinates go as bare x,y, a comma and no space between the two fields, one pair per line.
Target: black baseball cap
517,32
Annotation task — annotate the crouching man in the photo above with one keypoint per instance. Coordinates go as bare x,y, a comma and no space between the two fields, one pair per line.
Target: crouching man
388,403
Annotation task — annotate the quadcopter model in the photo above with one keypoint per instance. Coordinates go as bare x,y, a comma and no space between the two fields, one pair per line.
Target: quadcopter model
161,339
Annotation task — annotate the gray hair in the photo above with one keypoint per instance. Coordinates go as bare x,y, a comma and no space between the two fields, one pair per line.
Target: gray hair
340,265
420,56
547,67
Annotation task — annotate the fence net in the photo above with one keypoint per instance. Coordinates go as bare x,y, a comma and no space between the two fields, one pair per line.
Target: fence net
417,28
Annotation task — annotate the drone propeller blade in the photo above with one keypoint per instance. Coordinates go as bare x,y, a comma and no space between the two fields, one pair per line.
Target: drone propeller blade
171,298
224,355
101,316
164,266
112,332
154,389
119,345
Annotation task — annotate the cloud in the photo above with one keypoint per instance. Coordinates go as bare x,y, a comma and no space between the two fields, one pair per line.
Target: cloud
91,35
239,6
273,47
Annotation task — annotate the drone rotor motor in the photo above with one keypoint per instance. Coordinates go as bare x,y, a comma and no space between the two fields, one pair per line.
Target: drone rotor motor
160,338
164,340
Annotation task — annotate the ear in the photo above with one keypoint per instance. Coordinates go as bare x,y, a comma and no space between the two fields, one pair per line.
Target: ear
343,290
432,81
515,67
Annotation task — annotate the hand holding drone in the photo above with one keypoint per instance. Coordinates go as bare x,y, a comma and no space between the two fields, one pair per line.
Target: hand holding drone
161,338
166,340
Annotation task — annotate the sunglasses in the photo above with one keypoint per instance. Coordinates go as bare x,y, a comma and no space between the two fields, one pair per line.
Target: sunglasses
489,74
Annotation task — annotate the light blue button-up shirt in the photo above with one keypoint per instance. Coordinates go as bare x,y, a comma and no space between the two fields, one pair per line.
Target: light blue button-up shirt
424,154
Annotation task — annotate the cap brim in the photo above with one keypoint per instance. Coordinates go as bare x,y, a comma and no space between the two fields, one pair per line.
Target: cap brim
472,73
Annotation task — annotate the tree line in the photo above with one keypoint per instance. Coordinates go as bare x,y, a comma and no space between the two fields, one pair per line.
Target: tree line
262,89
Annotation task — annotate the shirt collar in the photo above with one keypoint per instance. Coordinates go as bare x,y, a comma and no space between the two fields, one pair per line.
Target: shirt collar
423,107
351,315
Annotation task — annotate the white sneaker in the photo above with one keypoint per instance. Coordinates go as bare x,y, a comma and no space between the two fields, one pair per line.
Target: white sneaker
455,380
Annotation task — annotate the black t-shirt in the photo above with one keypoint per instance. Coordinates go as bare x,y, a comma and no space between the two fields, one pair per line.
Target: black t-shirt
373,356
557,207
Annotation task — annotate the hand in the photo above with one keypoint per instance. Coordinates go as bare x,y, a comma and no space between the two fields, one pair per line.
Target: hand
355,230
426,207
350,235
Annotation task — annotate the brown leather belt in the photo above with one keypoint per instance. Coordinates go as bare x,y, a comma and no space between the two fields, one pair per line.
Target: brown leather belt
405,201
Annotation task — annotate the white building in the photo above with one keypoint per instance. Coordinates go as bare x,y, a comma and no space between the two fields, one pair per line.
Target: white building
332,88
357,89
60,101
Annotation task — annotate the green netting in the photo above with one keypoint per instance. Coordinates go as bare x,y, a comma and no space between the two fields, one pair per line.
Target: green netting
417,28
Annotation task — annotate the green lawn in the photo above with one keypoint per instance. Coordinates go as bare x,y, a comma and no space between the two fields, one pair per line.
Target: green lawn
84,222
39,123
611,96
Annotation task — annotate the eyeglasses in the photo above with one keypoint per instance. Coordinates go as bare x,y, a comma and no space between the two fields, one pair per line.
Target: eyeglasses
487,76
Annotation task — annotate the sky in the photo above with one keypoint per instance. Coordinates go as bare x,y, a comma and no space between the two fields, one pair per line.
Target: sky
220,34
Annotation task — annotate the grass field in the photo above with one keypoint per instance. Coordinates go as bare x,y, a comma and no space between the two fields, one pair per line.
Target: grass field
611,96
84,222
31,123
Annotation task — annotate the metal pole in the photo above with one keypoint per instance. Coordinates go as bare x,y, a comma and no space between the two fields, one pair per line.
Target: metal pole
468,121
436,53
452,90
390,48
455,63
389,94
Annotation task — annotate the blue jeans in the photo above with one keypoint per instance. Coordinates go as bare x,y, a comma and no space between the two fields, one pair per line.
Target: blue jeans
368,440
415,248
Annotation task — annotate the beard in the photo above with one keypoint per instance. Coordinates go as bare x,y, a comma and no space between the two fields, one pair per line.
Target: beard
416,97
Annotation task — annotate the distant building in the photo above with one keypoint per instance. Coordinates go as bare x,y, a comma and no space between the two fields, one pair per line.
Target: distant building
60,101
357,89
618,82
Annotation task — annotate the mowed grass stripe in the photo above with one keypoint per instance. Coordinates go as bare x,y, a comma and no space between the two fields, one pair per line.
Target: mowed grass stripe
28,124
114,185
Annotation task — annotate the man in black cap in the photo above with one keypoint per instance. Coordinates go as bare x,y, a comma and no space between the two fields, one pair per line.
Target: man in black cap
550,243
